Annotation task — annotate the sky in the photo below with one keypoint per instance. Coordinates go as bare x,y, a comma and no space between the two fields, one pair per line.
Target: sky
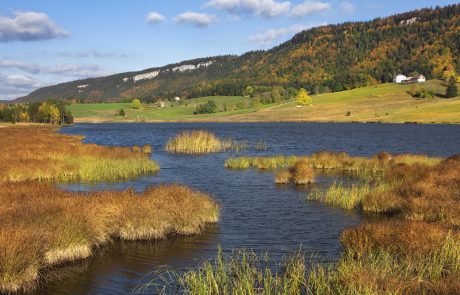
46,42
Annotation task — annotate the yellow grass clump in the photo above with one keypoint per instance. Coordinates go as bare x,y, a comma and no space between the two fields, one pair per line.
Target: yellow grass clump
197,142
283,177
41,225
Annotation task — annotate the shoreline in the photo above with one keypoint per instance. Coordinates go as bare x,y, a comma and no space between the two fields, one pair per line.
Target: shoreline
88,121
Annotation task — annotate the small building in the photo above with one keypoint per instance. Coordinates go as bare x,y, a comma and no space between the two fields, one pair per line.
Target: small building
161,104
400,79
177,99
409,80
421,78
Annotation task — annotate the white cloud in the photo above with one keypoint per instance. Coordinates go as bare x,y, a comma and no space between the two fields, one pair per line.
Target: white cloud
272,35
29,26
69,70
347,7
309,7
267,8
13,86
154,18
197,19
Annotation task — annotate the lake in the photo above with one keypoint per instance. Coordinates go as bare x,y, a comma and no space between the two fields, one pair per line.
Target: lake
256,213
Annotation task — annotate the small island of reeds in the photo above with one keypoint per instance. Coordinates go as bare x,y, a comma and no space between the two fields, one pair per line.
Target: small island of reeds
198,142
42,226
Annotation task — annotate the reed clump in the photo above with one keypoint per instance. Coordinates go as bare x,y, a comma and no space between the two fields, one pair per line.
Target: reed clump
300,174
40,153
41,225
283,177
198,142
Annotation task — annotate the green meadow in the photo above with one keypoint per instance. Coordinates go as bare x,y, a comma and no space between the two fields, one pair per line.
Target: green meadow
386,103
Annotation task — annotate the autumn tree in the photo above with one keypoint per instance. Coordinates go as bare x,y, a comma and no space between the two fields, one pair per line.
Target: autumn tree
303,98
136,104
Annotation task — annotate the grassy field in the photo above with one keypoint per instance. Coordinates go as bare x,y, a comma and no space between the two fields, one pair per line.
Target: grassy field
389,103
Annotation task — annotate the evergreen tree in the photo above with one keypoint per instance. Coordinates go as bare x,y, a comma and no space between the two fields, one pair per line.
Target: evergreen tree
452,90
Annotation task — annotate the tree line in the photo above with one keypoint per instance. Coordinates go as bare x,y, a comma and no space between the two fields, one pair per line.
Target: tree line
49,112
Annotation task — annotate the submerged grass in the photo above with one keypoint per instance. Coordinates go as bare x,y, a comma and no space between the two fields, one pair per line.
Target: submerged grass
198,142
39,153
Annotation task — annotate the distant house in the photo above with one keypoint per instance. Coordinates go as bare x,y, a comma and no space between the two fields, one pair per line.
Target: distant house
421,78
161,104
399,78
177,99
409,80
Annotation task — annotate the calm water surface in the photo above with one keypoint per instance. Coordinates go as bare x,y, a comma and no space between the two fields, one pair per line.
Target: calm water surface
256,214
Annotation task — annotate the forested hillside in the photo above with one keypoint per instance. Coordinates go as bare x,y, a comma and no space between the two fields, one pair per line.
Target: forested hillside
322,59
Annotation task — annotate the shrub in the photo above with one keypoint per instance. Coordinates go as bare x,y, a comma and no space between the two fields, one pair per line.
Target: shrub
121,113
136,104
207,108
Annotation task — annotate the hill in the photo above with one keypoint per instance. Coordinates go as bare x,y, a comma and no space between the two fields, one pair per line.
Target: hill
322,59
390,103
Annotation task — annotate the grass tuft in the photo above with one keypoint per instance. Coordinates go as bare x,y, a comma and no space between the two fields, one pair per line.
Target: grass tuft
197,142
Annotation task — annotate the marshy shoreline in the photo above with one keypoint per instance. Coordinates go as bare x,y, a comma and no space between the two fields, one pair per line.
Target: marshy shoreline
42,226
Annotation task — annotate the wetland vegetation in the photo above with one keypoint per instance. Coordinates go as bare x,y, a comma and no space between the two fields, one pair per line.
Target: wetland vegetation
198,142
42,225
414,250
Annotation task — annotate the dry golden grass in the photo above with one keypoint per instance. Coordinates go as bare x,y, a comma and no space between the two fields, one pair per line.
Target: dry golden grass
42,226
414,250
283,177
302,173
197,142
361,166
40,153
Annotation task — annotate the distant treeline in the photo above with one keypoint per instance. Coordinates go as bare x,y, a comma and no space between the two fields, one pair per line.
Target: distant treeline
323,59
48,112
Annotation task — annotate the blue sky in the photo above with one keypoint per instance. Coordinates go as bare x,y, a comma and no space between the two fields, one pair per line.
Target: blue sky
45,42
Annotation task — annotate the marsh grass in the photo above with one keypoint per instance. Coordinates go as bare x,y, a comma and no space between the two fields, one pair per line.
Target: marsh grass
199,142
244,272
360,166
415,250
346,197
41,225
39,153
300,174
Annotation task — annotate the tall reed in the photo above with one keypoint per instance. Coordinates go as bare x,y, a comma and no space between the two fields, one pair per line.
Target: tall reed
197,142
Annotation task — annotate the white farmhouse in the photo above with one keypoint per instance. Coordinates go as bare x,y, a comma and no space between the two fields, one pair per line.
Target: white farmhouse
400,78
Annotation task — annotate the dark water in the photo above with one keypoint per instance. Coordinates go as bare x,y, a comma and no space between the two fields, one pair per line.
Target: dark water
256,214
